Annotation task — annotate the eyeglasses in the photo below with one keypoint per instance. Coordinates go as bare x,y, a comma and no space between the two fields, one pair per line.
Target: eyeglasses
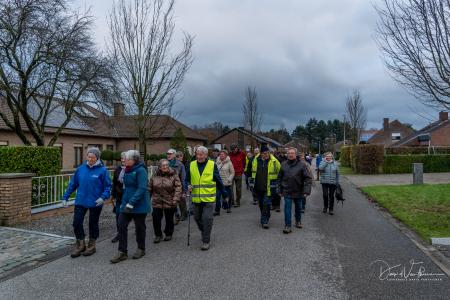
169,153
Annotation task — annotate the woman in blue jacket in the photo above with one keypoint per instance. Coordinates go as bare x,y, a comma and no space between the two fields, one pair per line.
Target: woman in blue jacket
93,185
135,205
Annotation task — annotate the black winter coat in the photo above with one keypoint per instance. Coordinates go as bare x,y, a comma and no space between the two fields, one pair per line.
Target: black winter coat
294,179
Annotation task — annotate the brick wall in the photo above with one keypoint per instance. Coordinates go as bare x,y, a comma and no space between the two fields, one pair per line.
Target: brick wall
15,199
441,137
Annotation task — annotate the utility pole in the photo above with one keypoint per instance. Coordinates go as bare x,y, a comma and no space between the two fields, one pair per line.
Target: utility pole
344,130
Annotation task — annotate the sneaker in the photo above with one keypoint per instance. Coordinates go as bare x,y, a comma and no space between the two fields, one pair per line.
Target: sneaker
324,210
228,211
205,247
255,202
298,225
157,239
167,238
331,212
119,257
115,239
277,209
216,213
287,229
302,211
265,226
236,205
138,254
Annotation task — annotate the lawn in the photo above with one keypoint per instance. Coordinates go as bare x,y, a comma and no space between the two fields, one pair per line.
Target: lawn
424,208
346,171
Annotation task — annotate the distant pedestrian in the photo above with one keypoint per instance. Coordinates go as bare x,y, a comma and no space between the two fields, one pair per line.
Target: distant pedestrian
310,174
318,161
215,154
247,160
165,188
329,178
238,159
93,185
294,185
203,180
226,171
135,206
117,191
179,168
264,181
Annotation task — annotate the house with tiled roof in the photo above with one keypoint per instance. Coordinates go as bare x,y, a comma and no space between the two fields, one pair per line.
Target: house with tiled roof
435,134
391,132
116,132
244,139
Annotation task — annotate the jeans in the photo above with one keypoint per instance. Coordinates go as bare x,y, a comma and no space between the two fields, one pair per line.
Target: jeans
237,184
303,202
139,223
264,206
220,197
78,219
158,214
288,210
328,195
276,200
203,215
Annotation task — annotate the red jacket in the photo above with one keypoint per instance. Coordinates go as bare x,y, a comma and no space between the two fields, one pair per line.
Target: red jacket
238,161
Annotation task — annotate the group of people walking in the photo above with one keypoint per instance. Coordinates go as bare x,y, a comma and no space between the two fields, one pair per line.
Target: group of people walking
203,187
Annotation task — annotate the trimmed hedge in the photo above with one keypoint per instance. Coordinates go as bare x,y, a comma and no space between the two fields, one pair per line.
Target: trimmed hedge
109,155
345,156
364,158
42,161
156,157
396,164
416,150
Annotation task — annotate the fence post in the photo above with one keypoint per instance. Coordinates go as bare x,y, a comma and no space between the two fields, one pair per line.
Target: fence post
15,198
417,173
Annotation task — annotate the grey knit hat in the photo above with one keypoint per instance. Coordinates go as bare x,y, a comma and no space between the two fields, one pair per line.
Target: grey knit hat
95,151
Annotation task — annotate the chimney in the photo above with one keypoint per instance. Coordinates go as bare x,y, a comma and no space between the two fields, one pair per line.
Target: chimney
119,109
443,116
386,123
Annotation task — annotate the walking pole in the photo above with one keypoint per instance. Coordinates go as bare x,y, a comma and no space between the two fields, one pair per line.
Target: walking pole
188,198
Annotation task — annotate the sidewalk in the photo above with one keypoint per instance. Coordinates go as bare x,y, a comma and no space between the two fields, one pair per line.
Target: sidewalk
396,179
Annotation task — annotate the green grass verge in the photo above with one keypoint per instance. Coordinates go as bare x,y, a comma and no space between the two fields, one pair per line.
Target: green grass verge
424,208
346,171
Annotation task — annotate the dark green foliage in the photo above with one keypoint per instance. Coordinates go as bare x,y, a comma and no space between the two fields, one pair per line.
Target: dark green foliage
371,159
39,160
345,156
395,164
416,150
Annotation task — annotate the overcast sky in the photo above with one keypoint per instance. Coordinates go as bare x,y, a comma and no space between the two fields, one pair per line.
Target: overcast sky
303,57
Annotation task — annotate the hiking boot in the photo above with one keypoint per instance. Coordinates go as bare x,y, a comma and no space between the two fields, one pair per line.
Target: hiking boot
265,226
119,257
324,210
205,247
331,212
302,211
177,221
216,213
287,229
228,210
236,205
167,238
80,247
277,209
115,239
255,202
138,254
298,225
90,249
157,239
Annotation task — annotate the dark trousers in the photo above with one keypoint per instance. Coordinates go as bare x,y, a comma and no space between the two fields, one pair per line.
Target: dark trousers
328,195
139,223
203,215
276,200
237,184
220,199
264,206
158,214
78,220
182,207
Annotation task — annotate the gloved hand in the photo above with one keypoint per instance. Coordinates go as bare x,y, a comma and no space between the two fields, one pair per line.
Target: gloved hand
128,208
64,203
99,202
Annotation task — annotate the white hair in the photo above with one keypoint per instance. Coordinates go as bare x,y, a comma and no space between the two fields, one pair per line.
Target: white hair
133,154
202,149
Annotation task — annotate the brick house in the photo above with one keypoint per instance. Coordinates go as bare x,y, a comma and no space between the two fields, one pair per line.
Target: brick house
434,134
244,139
390,133
91,127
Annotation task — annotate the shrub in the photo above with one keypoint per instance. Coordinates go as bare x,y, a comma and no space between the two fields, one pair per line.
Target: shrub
395,164
39,160
107,155
370,159
345,156
417,150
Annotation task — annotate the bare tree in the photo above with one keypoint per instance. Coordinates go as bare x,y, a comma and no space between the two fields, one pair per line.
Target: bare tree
48,67
356,115
252,115
413,36
147,76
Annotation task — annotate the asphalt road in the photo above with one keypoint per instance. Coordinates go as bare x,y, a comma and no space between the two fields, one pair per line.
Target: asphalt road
332,257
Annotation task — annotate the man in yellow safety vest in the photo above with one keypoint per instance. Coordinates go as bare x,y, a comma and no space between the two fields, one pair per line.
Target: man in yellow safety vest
203,181
264,181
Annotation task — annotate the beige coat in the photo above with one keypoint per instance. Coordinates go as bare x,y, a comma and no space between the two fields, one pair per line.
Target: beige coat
226,170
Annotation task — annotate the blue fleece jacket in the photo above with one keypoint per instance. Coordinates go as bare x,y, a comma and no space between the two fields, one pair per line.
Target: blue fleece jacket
136,189
90,183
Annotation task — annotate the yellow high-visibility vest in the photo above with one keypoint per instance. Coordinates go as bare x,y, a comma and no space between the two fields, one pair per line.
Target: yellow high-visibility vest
203,186
273,169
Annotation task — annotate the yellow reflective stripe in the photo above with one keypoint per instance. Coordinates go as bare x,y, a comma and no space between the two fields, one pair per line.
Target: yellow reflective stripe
199,186
203,195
